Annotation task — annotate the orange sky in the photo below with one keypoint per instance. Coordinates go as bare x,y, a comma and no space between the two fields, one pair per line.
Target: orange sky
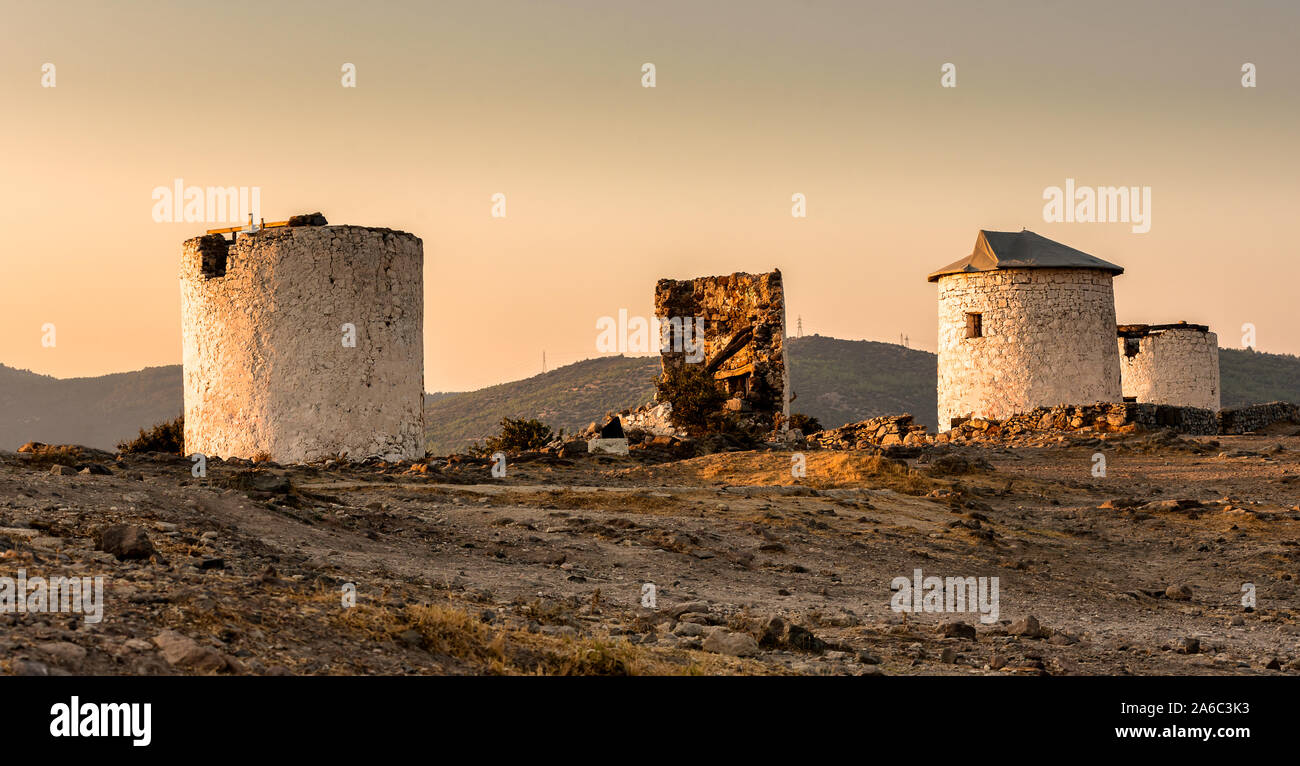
611,186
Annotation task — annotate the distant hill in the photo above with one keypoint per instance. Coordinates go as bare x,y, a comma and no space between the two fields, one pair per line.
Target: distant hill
568,397
96,412
836,381
1247,376
844,381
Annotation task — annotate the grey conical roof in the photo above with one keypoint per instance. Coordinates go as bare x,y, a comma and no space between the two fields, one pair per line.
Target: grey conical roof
1022,250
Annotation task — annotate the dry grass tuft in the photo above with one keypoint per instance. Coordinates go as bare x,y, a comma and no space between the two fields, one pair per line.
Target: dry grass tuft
450,632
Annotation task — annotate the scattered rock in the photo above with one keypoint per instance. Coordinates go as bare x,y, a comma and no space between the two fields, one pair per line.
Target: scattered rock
780,633
1171,505
64,653
1027,627
678,610
689,629
735,644
126,542
184,652
31,667
957,630
258,480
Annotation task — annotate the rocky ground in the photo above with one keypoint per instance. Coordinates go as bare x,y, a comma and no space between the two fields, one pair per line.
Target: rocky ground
247,569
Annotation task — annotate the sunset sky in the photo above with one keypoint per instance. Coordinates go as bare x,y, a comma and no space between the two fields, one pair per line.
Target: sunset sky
611,186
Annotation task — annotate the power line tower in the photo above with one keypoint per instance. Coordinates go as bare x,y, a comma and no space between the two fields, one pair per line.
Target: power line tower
543,361
799,322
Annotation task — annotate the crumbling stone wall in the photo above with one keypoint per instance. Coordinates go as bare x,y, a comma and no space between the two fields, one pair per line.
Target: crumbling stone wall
743,335
1113,416
1170,364
1099,418
1243,420
1102,417
265,365
1047,336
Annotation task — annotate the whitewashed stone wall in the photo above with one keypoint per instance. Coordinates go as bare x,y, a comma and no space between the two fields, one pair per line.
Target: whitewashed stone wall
265,366
1048,338
1173,366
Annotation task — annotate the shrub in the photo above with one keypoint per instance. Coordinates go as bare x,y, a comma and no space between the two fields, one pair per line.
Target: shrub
60,454
807,424
695,396
519,435
163,437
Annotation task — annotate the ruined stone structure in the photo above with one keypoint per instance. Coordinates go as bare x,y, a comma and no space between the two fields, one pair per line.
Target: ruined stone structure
1024,322
742,327
1170,364
304,342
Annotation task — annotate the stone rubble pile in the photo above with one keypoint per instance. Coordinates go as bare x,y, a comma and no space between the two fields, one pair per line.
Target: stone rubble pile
877,432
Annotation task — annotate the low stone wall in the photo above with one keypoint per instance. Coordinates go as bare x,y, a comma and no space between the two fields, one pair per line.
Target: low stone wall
1243,420
1113,416
1103,417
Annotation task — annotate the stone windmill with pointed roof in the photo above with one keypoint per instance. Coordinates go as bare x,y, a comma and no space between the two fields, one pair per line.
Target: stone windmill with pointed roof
1025,322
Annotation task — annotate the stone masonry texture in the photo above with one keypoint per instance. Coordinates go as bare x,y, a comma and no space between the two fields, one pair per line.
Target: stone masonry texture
730,305
1048,338
1170,365
266,368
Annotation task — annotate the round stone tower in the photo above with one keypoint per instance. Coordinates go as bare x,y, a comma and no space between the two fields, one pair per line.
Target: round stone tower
1170,364
1024,322
304,342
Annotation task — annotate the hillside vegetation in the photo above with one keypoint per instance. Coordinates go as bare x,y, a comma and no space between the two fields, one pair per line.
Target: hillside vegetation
1249,377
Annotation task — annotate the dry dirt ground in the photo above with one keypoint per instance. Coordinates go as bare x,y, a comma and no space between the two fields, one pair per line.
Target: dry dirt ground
247,569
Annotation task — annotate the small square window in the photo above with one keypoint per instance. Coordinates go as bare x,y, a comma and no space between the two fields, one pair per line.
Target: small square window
974,325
